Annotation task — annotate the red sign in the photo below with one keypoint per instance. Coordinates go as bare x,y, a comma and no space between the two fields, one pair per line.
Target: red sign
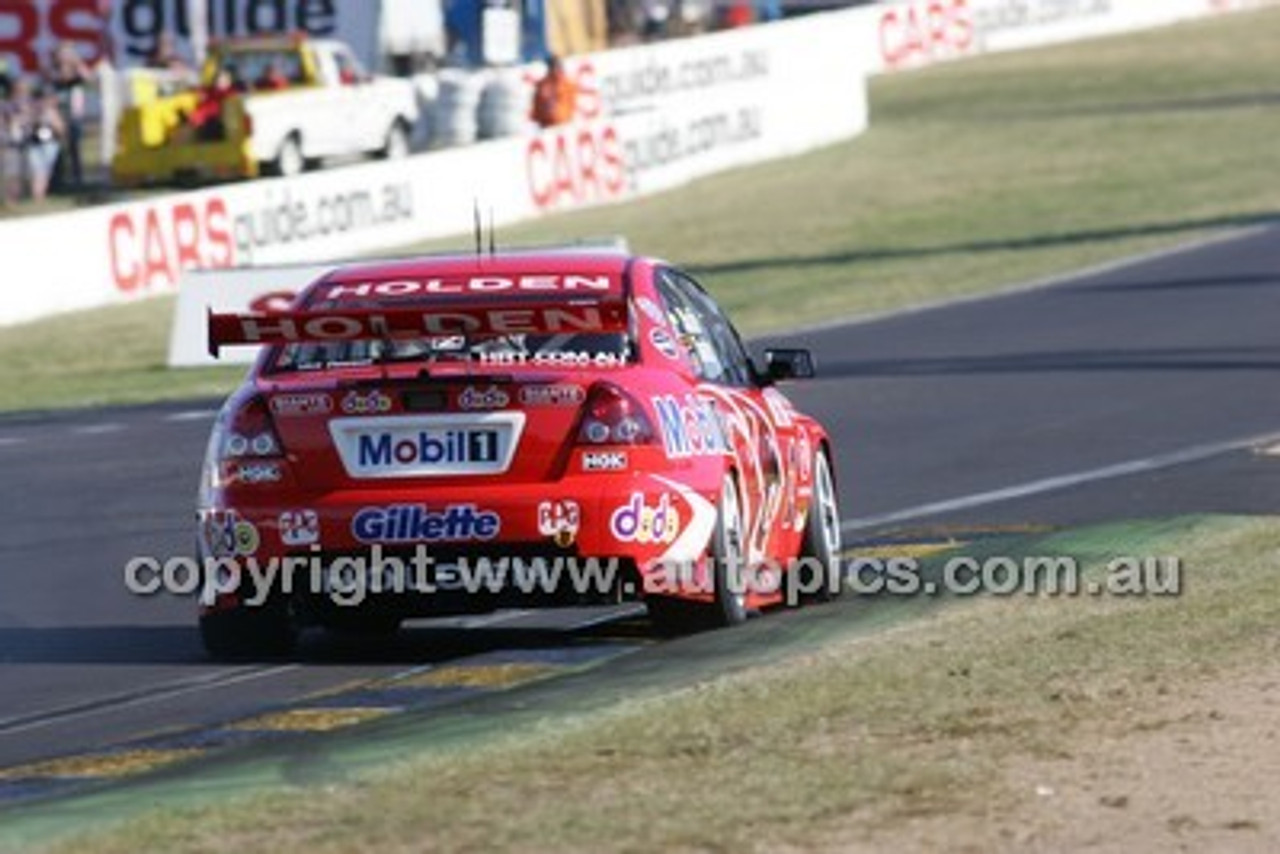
925,31
151,246
575,165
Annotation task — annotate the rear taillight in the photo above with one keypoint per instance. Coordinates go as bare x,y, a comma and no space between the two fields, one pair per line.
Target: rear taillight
613,417
244,450
249,434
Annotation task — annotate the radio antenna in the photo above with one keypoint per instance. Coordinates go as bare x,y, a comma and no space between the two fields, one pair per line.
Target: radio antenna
493,239
475,209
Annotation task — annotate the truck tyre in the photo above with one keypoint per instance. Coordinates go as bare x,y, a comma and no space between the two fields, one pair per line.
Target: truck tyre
396,146
289,160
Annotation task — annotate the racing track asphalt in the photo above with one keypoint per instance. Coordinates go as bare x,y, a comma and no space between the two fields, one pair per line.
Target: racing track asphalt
1117,368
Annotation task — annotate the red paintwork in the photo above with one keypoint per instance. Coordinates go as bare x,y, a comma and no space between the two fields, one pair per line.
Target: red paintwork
770,445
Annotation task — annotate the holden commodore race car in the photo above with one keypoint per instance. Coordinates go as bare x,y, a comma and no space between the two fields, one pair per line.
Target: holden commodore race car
457,434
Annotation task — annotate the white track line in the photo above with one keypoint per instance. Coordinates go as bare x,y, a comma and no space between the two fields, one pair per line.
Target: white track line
191,415
221,679
97,429
492,619
1195,453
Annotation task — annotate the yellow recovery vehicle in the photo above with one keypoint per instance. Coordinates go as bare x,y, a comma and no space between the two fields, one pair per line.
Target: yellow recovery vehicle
296,101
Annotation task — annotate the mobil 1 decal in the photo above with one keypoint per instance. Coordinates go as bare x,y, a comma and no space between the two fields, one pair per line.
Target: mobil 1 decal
690,426
751,427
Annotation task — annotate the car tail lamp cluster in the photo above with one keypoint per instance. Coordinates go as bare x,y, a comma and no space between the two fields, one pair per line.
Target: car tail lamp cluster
244,449
613,417
250,435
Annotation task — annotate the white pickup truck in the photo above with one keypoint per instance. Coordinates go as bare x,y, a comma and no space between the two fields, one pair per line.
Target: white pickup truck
296,101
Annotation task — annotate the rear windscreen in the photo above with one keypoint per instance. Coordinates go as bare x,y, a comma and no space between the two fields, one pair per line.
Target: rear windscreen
566,350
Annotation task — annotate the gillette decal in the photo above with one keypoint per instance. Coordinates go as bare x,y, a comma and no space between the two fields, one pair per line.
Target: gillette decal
417,523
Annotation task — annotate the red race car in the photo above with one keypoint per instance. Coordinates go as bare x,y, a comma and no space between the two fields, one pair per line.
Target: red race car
456,434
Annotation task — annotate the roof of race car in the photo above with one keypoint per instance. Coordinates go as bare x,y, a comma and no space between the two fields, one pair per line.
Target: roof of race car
555,272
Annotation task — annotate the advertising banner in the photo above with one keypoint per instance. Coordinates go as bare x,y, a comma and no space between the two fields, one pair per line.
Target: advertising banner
127,31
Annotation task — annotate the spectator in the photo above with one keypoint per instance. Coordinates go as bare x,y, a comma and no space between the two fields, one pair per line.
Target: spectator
272,79
207,118
10,149
6,80
624,18
768,10
657,17
348,73
738,13
165,57
70,78
554,96
34,126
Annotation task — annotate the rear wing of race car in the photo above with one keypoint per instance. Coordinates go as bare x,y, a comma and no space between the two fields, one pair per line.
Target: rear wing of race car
488,319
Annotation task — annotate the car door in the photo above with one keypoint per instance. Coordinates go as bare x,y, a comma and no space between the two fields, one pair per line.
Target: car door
330,109
364,126
759,428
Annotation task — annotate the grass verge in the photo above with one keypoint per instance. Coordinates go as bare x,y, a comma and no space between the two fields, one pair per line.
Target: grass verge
973,176
836,746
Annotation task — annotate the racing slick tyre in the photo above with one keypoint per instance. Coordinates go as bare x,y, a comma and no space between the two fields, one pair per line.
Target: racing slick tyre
371,627
677,616
819,577
243,633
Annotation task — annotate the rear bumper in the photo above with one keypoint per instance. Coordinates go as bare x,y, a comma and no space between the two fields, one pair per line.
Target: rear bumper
645,521
208,161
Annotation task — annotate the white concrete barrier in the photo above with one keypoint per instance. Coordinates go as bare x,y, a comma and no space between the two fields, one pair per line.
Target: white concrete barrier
256,289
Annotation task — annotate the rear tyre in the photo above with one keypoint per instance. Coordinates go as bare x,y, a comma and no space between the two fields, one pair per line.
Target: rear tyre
371,627
243,633
672,616
821,574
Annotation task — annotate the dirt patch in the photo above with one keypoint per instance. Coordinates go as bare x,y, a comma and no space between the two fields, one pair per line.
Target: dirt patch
1199,770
